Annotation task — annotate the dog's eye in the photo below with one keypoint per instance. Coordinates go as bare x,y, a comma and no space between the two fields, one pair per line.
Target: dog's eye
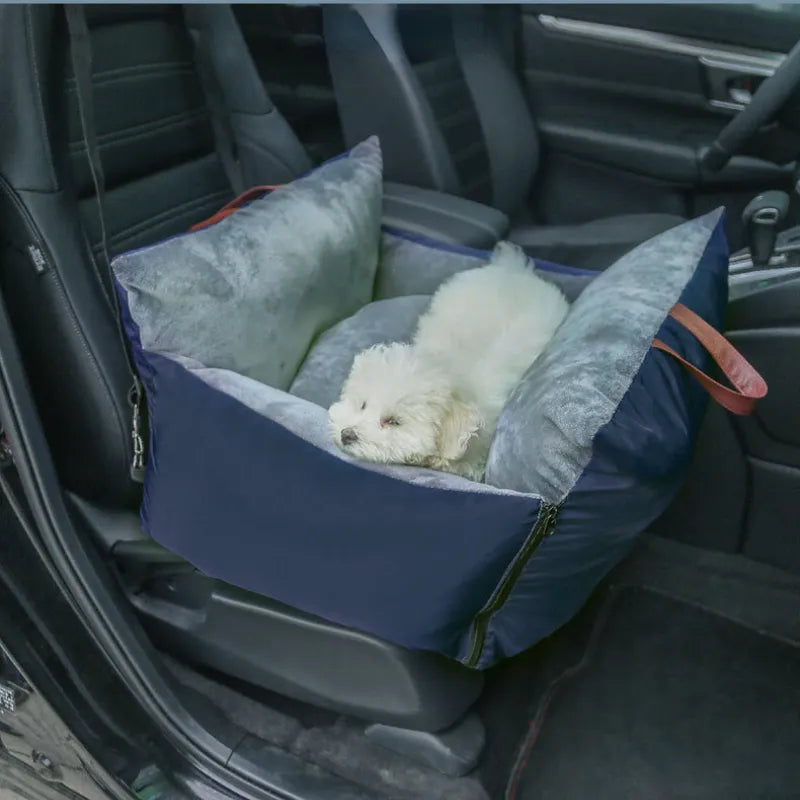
391,421
363,405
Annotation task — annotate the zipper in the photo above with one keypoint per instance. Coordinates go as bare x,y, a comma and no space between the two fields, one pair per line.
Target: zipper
543,527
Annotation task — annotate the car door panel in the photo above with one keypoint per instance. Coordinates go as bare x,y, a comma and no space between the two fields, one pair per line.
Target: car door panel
762,26
642,105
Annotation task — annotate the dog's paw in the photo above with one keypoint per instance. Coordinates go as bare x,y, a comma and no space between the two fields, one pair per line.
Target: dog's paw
509,255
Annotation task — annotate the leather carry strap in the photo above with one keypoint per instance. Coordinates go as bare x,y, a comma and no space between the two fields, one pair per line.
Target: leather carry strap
749,386
245,197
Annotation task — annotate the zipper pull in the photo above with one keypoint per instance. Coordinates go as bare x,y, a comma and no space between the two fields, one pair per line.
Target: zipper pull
551,519
135,399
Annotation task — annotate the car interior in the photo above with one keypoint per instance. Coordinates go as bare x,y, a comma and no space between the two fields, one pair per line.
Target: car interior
575,131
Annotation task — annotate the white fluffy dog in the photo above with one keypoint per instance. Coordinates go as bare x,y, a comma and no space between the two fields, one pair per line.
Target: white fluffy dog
435,402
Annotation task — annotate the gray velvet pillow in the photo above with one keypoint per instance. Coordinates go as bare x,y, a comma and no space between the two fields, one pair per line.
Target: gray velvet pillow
544,436
250,293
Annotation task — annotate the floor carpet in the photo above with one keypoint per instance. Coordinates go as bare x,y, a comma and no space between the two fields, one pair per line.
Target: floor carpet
667,700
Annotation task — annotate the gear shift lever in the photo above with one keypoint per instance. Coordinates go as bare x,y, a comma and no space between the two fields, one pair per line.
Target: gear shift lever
762,217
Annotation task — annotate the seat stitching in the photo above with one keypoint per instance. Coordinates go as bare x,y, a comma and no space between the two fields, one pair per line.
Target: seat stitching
188,205
188,215
142,129
456,118
156,69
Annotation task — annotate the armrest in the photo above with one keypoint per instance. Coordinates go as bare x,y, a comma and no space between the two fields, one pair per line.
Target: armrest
442,216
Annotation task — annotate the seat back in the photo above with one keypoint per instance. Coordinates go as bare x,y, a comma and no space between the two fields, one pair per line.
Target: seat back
162,174
288,49
437,84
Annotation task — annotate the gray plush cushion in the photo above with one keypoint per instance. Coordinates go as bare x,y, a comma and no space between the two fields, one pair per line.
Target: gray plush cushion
251,293
544,436
407,268
324,371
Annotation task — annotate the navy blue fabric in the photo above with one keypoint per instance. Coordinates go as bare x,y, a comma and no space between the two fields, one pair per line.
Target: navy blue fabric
638,462
254,505
435,244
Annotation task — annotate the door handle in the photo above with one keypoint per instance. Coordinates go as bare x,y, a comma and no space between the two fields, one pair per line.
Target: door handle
730,85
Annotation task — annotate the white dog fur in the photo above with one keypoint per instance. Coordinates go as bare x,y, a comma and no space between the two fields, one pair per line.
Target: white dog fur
435,402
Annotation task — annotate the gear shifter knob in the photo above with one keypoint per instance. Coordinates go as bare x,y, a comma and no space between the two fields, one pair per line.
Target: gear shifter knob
762,217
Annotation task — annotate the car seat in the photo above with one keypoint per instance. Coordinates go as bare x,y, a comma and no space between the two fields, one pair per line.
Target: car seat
438,87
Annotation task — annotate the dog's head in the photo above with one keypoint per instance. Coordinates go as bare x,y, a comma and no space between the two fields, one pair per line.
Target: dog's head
396,409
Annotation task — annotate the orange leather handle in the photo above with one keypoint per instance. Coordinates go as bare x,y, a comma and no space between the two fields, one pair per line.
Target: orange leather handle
749,386
231,206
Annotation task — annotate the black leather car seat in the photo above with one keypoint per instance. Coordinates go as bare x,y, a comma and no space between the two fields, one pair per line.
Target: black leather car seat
437,84
288,50
158,149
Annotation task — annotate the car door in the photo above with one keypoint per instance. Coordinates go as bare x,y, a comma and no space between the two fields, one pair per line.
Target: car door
626,98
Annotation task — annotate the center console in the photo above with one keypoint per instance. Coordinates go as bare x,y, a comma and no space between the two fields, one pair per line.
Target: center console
782,265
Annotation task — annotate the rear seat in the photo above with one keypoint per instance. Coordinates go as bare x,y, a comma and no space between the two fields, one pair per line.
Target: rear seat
163,174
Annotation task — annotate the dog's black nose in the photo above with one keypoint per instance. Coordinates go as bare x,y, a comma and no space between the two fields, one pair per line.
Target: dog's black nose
349,436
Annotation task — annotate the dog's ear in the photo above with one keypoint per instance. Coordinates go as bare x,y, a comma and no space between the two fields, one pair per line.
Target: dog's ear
461,422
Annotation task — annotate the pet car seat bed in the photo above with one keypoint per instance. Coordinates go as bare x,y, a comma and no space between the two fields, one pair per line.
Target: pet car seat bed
243,333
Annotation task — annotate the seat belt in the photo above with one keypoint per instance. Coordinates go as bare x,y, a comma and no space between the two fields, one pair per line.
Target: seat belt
224,139
81,55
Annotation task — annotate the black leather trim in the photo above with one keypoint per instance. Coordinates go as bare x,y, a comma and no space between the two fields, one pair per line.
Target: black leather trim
25,155
72,352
